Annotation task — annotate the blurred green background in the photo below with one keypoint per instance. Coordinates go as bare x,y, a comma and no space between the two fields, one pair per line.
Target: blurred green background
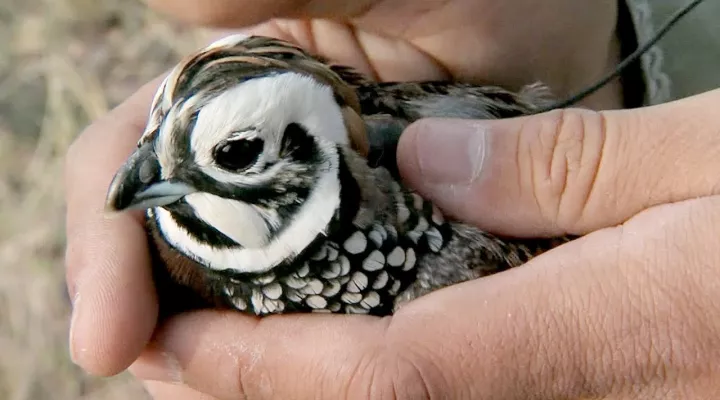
63,63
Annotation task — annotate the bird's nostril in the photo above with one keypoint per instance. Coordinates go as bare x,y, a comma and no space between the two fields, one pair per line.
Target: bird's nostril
148,171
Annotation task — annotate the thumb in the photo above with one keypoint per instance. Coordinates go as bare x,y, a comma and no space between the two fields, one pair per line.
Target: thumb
566,171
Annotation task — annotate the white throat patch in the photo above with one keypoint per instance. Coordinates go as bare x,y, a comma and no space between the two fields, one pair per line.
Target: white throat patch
239,221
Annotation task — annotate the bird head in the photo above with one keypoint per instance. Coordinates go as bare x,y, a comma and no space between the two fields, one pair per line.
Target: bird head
239,163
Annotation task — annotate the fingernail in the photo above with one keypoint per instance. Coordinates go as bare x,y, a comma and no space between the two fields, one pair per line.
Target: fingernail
156,365
451,151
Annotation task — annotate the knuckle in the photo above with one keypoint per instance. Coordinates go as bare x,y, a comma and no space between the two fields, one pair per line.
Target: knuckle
565,152
389,375
409,382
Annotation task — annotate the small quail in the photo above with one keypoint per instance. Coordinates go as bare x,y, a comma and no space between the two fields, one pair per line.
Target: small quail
269,183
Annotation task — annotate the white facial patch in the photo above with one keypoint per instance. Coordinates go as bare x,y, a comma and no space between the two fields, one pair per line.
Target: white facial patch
311,220
266,105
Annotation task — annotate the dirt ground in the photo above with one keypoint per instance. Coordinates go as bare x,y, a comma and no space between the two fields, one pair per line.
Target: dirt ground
63,63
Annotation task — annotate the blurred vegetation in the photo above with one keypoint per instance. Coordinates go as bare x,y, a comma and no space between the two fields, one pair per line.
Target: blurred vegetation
63,63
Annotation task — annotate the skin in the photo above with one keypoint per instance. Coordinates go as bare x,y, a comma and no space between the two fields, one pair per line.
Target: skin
565,43
629,311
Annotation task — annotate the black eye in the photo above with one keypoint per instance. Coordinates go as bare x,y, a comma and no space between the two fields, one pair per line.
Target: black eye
237,155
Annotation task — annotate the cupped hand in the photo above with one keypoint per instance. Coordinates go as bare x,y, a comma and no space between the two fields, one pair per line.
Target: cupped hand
628,311
115,307
116,311
567,44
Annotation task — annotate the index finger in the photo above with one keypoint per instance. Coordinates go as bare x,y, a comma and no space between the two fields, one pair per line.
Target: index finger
107,261
234,13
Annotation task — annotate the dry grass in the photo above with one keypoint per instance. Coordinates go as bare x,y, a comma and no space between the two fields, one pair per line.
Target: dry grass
62,64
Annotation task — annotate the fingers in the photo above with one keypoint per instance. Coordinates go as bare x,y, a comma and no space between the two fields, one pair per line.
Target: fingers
623,312
321,27
231,356
406,40
378,57
107,265
169,391
570,171
615,313
242,13
422,355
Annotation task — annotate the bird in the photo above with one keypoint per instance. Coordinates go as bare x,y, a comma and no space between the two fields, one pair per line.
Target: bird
269,185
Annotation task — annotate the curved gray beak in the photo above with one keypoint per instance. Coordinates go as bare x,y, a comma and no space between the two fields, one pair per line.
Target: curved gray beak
139,185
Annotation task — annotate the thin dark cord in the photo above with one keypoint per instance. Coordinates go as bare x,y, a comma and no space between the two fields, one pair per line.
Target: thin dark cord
627,61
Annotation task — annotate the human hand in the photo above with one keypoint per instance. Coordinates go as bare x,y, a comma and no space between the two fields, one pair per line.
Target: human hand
628,311
566,44
622,311
121,308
